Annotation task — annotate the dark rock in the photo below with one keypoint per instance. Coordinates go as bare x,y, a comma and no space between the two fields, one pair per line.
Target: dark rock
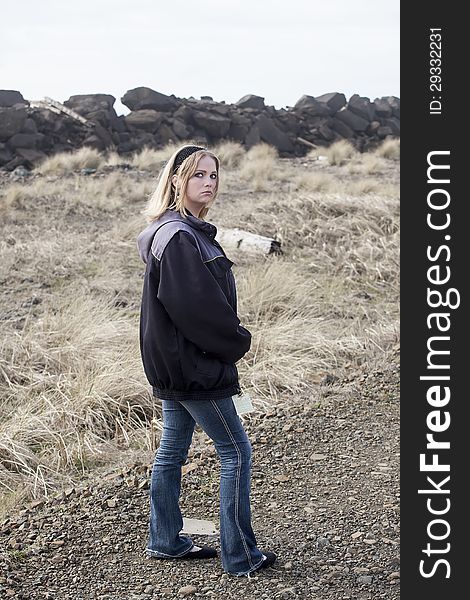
146,98
252,137
394,102
394,125
11,97
362,106
271,134
215,125
104,135
340,127
184,113
29,126
12,121
87,103
383,131
180,129
145,119
251,101
382,108
165,135
289,122
333,101
324,132
5,154
30,157
26,140
238,132
101,116
308,104
373,127
352,120
118,124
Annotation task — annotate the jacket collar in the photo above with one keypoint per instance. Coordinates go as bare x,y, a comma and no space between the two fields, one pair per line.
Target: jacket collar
208,228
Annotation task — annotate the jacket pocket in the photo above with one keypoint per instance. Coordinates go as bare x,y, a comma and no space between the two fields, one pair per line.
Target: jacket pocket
207,365
219,267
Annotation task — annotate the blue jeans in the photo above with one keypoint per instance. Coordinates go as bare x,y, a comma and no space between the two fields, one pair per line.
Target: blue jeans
219,419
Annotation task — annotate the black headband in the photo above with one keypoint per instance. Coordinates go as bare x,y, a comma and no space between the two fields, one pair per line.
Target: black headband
183,155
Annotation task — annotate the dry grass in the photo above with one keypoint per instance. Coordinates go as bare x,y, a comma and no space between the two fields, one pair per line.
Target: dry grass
65,162
73,396
230,154
390,148
337,154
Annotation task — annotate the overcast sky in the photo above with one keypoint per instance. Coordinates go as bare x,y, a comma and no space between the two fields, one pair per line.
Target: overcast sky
276,49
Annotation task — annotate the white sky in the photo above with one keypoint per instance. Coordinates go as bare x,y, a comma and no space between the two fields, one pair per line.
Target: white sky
276,49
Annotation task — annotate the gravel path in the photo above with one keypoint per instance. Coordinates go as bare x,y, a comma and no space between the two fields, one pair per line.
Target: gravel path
324,498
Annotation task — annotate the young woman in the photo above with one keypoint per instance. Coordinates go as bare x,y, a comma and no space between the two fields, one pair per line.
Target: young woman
190,340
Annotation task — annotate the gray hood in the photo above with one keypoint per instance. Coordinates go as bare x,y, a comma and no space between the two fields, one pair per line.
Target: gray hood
145,237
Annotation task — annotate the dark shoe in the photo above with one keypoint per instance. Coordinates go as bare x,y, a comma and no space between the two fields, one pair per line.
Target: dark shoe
268,561
204,552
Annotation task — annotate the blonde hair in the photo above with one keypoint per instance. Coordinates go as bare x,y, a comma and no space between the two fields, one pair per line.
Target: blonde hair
168,195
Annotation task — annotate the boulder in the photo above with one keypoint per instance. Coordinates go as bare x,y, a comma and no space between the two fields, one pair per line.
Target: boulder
309,104
118,124
384,131
382,108
29,156
238,132
252,137
271,134
165,135
5,154
342,128
144,120
394,125
333,101
88,103
351,119
26,140
394,103
373,128
181,129
146,98
251,101
213,124
12,120
29,126
11,97
362,106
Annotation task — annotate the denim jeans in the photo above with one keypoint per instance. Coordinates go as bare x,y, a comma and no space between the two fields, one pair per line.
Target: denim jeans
219,419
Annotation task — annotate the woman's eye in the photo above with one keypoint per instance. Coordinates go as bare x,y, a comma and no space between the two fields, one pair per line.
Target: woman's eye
214,175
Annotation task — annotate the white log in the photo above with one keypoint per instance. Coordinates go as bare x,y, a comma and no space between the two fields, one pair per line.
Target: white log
246,242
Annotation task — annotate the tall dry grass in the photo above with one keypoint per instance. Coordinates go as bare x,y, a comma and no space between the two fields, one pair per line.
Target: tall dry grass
73,396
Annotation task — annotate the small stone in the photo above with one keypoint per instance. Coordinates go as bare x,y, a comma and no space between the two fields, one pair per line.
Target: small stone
187,590
148,589
111,503
367,579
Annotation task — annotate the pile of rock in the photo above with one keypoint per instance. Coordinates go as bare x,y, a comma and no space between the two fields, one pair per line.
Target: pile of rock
30,131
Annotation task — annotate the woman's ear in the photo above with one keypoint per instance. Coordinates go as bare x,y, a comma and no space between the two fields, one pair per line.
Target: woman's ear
174,179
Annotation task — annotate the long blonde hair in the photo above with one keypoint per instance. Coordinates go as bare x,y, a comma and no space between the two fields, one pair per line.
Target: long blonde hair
167,195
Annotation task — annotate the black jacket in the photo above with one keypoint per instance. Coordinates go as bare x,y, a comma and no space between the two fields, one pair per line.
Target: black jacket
190,335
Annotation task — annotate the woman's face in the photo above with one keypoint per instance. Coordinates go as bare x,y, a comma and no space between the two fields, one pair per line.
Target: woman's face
202,185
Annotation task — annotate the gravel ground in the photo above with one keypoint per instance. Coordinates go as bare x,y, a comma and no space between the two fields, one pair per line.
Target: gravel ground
324,498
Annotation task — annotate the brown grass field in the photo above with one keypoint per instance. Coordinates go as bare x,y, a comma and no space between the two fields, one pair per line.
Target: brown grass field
74,400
